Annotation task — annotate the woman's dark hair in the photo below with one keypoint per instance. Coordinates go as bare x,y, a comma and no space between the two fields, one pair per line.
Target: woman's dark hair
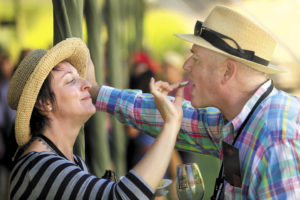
38,120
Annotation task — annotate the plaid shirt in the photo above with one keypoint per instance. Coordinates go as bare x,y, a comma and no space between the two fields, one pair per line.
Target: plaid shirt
269,144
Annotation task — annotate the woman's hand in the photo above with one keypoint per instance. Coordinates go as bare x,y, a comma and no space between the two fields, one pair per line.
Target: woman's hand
156,160
170,111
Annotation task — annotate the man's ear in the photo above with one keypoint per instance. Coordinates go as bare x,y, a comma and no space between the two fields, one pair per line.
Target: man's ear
229,70
44,106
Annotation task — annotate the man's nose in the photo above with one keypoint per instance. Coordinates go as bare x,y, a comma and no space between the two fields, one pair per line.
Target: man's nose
187,64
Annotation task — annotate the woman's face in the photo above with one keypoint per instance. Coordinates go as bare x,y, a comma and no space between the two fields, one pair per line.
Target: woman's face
72,98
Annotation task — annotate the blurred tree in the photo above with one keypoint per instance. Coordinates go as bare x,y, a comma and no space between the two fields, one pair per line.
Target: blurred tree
139,8
97,148
115,70
67,22
68,17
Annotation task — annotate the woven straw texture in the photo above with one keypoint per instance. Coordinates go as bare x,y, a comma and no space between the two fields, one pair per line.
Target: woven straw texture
246,33
30,75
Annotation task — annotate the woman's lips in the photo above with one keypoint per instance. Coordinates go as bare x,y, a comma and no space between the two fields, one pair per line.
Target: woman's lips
86,98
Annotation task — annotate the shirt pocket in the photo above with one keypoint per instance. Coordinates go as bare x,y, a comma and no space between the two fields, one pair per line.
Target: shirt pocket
232,192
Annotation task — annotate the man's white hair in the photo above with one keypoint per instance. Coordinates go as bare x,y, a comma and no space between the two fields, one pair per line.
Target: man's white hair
249,70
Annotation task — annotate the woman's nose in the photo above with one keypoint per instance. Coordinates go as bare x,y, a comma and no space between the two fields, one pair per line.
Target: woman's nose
86,85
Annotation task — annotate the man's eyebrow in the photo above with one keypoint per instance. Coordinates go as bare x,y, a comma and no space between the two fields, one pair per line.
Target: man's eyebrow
192,51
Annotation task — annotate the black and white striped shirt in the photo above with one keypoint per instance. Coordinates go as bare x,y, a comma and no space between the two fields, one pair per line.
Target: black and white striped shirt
45,175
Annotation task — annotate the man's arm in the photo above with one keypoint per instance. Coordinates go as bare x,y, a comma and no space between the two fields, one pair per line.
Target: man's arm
199,128
94,91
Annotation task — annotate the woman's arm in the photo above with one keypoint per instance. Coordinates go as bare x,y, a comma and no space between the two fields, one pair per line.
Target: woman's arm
154,164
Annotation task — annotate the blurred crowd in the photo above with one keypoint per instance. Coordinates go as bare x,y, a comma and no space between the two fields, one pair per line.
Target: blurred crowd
8,143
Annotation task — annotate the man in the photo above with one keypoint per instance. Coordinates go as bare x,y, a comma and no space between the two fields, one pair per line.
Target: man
241,118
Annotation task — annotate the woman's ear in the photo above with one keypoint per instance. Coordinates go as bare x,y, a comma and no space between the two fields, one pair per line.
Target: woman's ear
229,70
44,106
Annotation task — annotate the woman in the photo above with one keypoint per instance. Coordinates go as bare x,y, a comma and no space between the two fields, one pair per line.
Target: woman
53,101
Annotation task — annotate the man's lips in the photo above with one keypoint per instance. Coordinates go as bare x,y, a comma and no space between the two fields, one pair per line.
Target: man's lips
191,82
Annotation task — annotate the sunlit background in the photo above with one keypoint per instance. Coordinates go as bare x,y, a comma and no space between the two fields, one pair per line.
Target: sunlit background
29,24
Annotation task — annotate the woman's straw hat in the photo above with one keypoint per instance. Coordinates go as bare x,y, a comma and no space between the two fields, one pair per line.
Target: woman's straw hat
31,74
224,25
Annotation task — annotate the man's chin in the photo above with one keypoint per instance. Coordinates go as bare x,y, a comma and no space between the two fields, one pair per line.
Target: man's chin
194,104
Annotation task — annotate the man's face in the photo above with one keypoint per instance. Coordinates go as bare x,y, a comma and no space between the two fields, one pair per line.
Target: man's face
203,75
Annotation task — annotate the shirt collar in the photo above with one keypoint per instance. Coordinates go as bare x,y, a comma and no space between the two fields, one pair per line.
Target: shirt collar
238,120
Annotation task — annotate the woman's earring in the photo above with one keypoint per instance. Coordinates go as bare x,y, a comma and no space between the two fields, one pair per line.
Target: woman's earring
49,108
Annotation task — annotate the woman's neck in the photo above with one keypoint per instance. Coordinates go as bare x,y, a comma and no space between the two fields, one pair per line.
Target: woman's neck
63,135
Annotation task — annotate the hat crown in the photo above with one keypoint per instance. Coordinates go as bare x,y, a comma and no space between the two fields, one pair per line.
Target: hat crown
21,75
249,35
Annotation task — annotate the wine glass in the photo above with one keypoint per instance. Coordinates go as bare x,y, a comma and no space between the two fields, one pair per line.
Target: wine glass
189,182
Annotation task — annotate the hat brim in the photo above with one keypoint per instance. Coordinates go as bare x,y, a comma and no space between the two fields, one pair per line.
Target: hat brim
72,50
270,69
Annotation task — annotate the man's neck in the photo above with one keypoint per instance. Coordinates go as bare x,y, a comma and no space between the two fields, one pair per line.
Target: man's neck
237,98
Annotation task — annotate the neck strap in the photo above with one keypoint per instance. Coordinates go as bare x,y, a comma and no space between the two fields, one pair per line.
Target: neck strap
52,145
267,92
219,185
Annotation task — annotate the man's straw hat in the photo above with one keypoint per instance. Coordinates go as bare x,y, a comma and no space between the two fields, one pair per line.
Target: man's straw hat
229,33
31,74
